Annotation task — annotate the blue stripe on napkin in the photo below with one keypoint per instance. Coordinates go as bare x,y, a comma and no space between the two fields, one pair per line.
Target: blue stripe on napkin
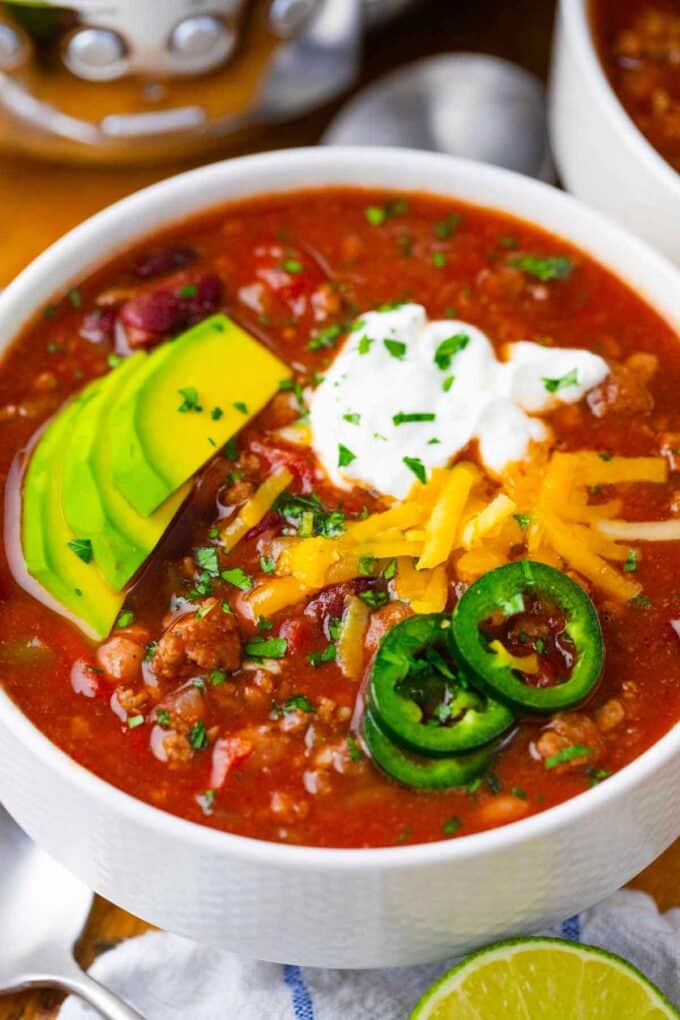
302,1000
571,928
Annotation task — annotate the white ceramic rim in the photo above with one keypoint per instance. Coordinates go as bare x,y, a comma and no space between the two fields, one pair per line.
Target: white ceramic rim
578,25
112,220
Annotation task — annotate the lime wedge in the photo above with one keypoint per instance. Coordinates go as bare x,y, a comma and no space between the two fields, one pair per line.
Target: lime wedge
543,979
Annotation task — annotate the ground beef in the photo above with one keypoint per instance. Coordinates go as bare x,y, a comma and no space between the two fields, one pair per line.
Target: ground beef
204,640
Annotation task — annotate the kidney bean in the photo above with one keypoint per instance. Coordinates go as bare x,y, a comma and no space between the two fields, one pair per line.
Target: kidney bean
156,314
156,263
271,521
330,602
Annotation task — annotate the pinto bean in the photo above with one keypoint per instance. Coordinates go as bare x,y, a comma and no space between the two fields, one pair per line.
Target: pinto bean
121,658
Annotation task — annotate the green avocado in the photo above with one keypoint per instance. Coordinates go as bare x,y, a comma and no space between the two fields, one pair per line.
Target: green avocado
190,397
121,538
54,557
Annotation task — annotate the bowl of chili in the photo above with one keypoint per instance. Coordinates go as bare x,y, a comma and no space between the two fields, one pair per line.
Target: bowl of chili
411,857
614,112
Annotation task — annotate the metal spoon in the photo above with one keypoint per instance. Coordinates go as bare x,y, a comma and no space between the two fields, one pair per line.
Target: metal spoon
43,910
464,104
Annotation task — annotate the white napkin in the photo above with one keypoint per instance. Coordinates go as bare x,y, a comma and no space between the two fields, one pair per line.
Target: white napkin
170,978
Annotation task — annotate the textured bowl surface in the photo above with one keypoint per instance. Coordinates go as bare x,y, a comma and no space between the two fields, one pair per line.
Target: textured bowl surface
601,155
338,908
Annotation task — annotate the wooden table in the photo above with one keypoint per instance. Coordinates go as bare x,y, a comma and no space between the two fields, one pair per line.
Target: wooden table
38,202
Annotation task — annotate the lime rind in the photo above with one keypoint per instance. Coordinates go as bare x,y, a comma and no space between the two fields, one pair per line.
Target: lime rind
489,984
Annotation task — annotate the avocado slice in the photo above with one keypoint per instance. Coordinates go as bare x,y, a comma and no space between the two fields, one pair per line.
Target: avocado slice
77,585
191,396
121,538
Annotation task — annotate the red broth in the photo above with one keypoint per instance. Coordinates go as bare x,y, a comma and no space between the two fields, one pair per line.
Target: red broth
639,43
302,777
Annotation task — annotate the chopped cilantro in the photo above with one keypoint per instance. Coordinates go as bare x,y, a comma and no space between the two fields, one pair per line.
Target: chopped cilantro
190,400
267,564
448,349
82,547
448,383
390,570
446,228
375,215
493,782
230,448
163,718
267,648
365,344
345,456
150,651
238,578
298,703
570,379
416,465
318,658
403,419
524,520
216,677
188,290
326,338
439,259
567,754
451,825
596,776
606,457
540,646
517,791
74,298
292,266
374,598
631,563
198,737
367,566
352,417
379,214
550,267
334,627
397,348
640,602
206,559
240,406
216,413
125,618
509,242
301,511
434,441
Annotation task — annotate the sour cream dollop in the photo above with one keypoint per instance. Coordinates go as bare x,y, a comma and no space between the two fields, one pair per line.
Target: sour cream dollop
404,391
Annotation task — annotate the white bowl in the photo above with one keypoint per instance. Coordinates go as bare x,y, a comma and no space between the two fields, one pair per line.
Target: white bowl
337,908
602,157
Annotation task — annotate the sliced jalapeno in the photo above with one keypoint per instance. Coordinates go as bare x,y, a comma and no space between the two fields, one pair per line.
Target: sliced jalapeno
416,771
422,699
530,592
